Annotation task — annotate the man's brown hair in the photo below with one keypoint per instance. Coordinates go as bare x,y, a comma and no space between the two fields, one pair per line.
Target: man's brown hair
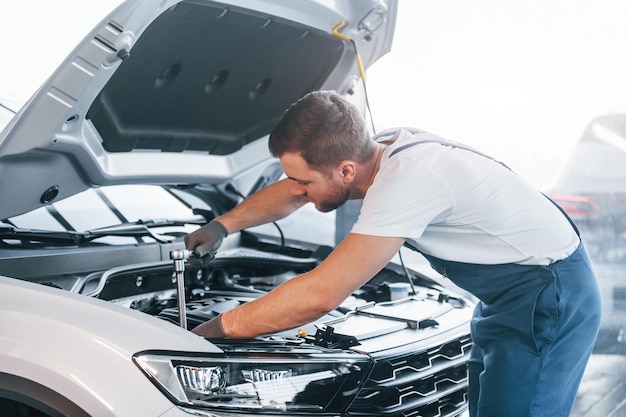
325,129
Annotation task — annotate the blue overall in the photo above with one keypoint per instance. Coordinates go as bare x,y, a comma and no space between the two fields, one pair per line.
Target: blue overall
533,331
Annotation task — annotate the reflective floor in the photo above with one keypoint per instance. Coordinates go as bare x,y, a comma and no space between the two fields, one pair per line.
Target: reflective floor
603,390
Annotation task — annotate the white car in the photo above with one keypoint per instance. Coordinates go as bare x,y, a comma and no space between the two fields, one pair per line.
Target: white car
155,123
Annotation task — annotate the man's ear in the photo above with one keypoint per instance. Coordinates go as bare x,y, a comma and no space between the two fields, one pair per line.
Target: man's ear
347,170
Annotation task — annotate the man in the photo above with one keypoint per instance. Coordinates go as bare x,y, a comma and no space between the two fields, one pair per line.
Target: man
476,221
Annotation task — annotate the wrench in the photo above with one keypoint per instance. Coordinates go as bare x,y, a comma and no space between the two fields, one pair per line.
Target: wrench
179,256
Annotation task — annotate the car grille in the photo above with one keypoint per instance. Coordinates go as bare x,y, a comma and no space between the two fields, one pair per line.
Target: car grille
428,383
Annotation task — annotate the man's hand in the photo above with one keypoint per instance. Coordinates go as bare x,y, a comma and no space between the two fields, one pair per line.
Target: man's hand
205,241
211,329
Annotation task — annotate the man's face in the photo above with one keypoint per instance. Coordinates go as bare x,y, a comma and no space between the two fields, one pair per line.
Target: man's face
327,191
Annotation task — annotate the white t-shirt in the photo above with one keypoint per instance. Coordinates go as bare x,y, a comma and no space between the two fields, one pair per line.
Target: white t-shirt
461,206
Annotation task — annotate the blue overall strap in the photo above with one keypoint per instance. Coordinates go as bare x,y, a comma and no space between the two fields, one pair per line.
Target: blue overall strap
440,141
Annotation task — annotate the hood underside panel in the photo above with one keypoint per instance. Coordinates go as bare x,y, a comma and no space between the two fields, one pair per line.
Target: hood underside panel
169,93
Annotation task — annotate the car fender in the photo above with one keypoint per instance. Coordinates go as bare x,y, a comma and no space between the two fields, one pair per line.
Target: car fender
52,338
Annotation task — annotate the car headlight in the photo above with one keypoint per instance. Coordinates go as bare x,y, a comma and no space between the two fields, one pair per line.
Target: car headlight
262,382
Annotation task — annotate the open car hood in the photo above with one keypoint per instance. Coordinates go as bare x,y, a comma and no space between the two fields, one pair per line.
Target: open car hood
182,92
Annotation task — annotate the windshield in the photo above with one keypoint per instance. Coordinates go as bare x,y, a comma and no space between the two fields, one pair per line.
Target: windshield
109,206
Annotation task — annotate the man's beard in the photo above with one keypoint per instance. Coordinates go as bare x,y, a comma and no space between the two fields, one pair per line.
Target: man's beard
338,196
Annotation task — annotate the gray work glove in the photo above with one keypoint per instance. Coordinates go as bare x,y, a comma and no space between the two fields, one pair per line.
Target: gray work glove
211,329
205,241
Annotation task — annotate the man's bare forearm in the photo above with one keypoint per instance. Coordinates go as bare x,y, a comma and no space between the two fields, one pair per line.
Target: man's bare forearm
309,296
278,310
269,204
